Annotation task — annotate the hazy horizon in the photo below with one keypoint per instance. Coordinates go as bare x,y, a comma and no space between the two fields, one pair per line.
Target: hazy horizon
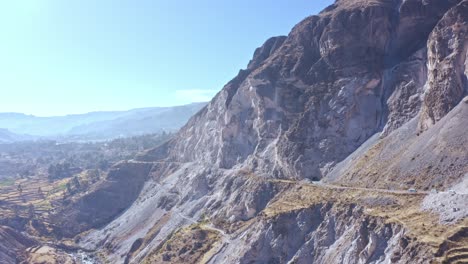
102,111
72,57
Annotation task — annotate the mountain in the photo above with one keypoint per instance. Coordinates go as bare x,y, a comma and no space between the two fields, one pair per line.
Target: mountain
7,136
138,122
324,150
48,126
102,125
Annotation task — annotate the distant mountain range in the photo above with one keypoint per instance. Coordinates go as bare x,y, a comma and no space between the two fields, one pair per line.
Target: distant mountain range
96,125
7,136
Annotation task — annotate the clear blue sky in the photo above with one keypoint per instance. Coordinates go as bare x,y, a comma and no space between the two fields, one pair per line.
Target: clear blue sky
73,56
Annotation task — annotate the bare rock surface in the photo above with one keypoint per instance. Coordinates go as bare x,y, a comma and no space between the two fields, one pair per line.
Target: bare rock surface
451,205
12,244
322,234
435,159
447,61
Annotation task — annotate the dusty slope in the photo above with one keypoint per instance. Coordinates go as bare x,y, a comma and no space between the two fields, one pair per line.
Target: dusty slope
432,160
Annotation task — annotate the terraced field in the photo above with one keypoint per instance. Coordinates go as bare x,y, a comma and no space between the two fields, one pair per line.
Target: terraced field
457,245
21,194
35,197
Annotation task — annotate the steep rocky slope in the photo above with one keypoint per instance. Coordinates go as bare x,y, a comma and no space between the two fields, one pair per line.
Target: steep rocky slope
359,96
336,80
447,63
103,202
431,160
437,157
12,244
321,234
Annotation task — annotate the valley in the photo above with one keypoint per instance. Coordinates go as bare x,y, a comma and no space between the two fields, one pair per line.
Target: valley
33,188
344,141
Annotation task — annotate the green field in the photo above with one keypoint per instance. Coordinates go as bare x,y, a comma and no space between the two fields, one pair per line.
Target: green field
6,182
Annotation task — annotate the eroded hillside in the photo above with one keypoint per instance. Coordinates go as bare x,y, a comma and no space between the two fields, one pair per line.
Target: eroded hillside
307,155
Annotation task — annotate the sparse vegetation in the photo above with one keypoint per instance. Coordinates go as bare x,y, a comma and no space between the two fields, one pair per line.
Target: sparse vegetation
187,245
6,182
60,160
36,178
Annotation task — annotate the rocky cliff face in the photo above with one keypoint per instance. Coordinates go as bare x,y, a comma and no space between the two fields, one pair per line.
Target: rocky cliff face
308,100
366,77
447,62
321,234
431,160
102,203
13,243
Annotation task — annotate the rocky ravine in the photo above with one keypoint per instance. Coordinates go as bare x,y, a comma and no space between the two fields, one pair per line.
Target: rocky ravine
366,94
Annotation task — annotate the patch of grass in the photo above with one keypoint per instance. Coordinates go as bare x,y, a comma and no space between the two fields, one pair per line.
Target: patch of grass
61,186
44,205
185,245
7,182
153,232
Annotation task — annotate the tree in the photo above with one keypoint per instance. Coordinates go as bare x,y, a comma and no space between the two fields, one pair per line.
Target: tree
52,171
76,183
31,211
16,210
69,189
24,173
59,171
93,175
103,164
84,184
39,191
65,167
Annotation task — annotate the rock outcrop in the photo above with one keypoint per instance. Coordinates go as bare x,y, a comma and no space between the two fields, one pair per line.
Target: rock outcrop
324,234
447,62
432,160
12,244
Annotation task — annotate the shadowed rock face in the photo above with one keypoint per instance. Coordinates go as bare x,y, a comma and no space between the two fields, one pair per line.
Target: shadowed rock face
11,244
104,202
265,51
